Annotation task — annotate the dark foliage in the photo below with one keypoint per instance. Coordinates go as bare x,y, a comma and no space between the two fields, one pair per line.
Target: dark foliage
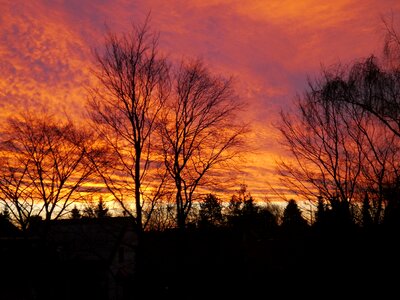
75,213
210,213
293,220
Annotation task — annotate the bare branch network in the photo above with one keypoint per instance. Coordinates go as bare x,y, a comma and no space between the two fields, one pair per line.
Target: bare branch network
158,132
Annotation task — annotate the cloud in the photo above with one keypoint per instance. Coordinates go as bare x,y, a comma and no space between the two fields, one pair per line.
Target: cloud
269,47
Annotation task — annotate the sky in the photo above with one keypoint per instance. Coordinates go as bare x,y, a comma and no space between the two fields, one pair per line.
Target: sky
270,48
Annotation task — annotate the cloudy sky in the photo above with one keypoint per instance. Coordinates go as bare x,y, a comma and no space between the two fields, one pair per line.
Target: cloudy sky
270,47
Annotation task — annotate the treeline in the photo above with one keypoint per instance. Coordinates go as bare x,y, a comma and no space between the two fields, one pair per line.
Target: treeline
243,212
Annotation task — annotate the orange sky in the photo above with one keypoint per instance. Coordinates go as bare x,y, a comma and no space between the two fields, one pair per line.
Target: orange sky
270,47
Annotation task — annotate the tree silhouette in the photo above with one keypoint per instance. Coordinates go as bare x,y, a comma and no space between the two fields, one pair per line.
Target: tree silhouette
245,215
371,89
101,210
199,131
341,212
134,84
210,211
392,209
163,216
240,204
292,217
341,149
366,212
320,213
5,214
89,211
326,153
7,229
43,166
75,213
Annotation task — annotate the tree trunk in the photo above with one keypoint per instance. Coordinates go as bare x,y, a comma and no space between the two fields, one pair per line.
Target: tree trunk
137,191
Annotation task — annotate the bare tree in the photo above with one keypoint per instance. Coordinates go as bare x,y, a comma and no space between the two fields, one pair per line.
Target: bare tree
200,131
43,166
134,85
381,167
377,86
15,189
325,145
375,90
163,215
341,149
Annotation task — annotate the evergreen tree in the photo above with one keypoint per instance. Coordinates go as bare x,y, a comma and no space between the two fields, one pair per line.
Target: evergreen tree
101,210
366,212
340,213
75,213
5,214
245,215
292,218
241,203
211,211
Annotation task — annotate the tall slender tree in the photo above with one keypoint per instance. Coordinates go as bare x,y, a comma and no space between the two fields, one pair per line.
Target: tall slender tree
133,87
325,143
199,130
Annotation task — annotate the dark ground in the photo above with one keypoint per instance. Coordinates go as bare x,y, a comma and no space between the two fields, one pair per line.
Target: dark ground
222,264
225,264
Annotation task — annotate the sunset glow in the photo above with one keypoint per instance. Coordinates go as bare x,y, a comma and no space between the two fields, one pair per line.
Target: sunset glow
269,47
